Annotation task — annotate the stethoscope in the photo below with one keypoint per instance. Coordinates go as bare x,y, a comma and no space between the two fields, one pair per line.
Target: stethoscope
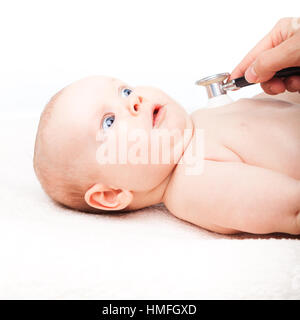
218,85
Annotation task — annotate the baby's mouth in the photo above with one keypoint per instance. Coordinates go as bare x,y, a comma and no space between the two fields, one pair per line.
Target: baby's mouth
157,114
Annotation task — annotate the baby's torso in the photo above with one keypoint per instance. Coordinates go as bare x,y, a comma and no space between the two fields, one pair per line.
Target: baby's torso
260,132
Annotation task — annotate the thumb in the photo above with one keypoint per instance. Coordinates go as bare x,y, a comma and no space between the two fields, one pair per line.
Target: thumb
285,55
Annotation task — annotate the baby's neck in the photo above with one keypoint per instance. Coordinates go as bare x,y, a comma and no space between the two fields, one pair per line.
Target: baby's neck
149,198
156,195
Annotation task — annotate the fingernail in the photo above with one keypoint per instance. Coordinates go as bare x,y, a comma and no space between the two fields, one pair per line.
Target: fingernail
251,75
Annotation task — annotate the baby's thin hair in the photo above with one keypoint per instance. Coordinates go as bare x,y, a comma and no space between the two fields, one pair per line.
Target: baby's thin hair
62,185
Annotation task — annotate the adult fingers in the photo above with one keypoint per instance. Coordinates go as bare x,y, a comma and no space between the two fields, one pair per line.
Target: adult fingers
273,86
264,44
292,84
285,55
284,29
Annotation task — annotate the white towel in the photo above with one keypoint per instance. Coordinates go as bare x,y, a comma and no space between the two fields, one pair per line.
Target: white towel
49,252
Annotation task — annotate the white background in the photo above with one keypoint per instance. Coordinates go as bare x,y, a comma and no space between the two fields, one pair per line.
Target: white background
48,252
45,45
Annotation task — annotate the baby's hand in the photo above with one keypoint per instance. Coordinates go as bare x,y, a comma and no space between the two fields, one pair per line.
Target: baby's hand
279,49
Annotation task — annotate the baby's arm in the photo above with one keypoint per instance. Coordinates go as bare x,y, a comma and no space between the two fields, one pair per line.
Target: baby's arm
237,196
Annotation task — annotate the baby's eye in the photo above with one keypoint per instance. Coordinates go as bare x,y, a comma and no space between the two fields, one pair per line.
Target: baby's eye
108,121
126,92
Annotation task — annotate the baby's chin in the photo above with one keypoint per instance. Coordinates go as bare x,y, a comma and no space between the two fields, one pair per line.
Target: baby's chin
177,119
179,131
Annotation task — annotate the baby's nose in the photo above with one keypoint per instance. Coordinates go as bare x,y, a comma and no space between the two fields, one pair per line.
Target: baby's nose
134,106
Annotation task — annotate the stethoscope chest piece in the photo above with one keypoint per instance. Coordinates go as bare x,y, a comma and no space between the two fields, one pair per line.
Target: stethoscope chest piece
214,86
217,87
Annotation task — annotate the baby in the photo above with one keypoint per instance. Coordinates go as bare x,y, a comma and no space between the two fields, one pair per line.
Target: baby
250,177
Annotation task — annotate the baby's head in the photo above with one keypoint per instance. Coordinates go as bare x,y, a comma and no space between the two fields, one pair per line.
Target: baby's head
90,116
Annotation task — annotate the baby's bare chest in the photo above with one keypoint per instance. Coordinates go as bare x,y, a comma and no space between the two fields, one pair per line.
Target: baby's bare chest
257,132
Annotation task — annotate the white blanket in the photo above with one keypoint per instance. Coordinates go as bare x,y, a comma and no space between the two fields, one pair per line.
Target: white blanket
49,252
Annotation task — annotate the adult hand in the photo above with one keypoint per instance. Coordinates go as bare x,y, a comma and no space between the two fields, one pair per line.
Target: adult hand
279,49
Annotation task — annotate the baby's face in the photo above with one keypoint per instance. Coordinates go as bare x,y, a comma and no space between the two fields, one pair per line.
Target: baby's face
94,113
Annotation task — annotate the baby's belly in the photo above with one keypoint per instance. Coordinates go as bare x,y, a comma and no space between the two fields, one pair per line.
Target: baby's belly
261,133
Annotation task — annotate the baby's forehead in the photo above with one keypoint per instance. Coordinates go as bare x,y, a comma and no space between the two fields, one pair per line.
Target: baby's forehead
101,81
88,94
90,88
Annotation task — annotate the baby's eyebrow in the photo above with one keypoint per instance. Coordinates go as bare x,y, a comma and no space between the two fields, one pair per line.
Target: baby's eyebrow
119,83
116,83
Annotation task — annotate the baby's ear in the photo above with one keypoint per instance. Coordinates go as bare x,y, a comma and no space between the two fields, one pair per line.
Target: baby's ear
102,197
